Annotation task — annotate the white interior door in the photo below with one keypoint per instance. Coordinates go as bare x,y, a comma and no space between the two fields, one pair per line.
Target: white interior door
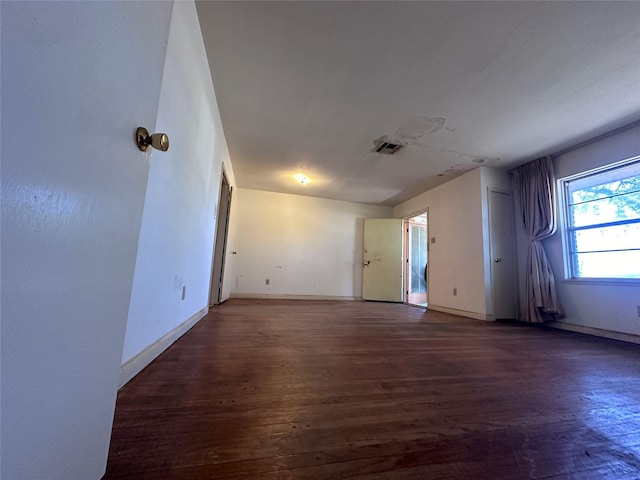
382,260
503,264
74,78
219,250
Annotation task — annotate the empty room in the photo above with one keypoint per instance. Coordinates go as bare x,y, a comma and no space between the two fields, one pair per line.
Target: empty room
320,240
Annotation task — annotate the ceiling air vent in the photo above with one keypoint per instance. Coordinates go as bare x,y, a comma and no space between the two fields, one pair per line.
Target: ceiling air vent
383,145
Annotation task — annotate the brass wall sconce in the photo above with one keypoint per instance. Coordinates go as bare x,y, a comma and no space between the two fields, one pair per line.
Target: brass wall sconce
159,141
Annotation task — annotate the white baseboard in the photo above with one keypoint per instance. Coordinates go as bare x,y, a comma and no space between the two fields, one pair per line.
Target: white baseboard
132,367
462,313
598,332
275,296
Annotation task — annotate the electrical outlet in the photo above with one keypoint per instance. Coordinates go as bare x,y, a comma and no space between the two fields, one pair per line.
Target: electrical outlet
455,291
184,292
266,282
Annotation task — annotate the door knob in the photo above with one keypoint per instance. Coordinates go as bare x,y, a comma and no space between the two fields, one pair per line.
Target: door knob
159,141
498,260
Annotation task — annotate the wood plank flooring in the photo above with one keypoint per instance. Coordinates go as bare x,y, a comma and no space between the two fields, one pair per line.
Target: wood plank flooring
333,390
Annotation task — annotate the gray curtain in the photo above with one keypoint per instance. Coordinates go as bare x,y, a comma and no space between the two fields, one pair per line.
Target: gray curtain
534,185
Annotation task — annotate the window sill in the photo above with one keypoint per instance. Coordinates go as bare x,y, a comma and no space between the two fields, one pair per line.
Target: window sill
629,282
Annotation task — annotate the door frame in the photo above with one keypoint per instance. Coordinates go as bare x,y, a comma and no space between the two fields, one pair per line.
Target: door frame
220,242
405,259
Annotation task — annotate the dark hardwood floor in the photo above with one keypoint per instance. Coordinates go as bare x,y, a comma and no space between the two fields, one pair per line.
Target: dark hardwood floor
333,390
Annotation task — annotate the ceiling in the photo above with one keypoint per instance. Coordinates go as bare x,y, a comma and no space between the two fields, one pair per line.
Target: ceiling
306,88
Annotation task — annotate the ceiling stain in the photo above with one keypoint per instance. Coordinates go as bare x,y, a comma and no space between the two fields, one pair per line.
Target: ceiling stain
414,128
474,158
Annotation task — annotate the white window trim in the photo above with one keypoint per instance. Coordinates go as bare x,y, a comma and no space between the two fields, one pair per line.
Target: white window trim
563,223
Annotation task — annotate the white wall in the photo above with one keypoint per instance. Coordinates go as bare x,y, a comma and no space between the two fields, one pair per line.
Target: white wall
599,306
305,246
458,219
179,220
77,79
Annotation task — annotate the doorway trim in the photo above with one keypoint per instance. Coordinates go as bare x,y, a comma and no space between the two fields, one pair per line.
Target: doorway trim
406,257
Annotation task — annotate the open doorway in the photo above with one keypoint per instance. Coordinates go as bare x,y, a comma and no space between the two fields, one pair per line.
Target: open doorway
416,260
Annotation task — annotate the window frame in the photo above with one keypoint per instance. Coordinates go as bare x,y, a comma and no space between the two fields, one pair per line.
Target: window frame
566,228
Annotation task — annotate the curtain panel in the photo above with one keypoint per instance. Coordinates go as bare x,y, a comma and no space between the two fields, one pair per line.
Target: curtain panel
534,186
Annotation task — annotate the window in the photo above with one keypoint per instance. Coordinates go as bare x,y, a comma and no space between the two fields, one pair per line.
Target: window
602,223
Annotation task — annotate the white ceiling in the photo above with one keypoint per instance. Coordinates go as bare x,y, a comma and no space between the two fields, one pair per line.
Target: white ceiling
306,87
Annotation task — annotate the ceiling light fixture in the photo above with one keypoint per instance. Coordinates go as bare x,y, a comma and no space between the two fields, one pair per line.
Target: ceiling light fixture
303,180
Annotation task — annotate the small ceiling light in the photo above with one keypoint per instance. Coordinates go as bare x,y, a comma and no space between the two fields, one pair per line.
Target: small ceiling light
302,179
